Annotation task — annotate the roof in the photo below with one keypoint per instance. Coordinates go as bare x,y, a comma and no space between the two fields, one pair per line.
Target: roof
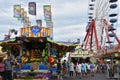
12,39
60,45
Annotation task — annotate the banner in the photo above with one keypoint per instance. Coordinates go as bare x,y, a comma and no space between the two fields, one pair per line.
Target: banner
17,11
25,14
39,22
26,19
47,12
27,24
49,24
32,8
21,15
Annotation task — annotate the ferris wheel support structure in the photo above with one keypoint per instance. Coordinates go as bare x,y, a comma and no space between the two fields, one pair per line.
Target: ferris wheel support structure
102,25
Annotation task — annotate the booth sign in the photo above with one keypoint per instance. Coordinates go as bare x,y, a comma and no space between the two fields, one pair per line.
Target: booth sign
81,54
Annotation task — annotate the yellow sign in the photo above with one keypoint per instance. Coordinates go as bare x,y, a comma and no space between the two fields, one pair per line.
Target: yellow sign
80,52
81,55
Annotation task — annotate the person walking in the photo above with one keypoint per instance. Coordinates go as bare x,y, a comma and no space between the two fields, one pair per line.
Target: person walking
71,69
84,69
8,68
68,68
76,69
2,65
59,70
64,64
88,69
92,66
79,66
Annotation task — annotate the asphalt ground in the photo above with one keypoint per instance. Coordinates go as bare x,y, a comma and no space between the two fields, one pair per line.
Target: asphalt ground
97,76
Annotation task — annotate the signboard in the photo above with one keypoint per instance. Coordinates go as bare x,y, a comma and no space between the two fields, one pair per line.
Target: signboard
81,54
31,31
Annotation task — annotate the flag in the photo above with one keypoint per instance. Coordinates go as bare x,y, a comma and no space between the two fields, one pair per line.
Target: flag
39,22
32,8
47,12
17,11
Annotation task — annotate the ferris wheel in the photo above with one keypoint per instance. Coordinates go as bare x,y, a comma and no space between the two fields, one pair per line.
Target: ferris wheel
102,25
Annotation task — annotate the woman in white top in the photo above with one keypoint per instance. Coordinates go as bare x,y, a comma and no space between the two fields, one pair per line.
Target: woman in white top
76,69
88,69
79,66
71,69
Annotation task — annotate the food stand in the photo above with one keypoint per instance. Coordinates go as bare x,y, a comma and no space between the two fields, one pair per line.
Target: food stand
28,53
30,50
81,54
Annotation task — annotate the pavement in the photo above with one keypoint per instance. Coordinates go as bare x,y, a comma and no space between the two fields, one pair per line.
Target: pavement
97,76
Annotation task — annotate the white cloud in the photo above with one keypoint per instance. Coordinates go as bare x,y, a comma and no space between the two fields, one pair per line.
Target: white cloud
66,16
71,9
72,33
69,17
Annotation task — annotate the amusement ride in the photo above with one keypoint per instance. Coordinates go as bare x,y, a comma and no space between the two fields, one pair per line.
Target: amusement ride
102,27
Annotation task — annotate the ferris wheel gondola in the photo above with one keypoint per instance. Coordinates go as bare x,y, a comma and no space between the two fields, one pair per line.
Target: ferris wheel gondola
112,1
113,15
102,24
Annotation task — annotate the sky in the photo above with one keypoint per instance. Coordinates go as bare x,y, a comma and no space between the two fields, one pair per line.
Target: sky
69,17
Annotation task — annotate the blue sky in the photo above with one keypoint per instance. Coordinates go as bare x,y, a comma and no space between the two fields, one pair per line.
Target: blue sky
69,17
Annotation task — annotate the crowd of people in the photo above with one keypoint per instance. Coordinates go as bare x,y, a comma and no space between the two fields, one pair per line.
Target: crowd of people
80,69
70,68
76,69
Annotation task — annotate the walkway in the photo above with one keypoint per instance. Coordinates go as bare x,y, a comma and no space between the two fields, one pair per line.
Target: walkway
97,76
